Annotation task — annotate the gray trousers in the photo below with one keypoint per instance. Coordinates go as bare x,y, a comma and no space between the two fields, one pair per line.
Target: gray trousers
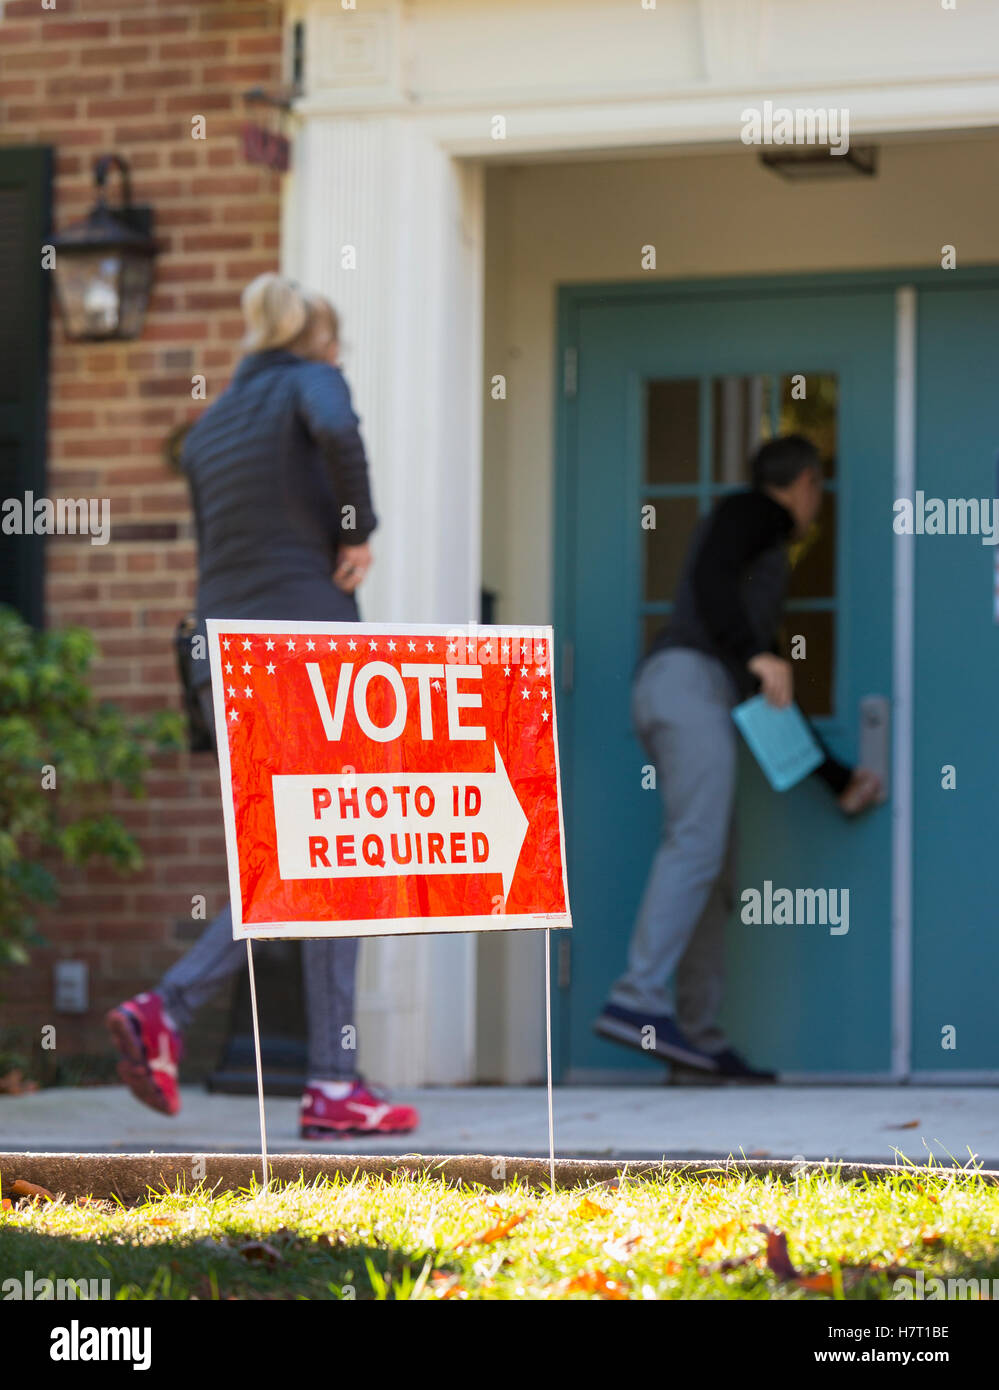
328,970
681,706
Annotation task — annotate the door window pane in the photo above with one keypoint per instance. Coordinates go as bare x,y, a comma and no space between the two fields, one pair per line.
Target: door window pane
672,431
742,411
813,673
813,415
813,560
665,546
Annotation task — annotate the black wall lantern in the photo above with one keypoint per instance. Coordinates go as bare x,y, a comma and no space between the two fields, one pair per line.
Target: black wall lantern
104,264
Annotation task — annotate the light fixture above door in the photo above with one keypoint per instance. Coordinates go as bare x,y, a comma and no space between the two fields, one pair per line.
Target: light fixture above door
819,161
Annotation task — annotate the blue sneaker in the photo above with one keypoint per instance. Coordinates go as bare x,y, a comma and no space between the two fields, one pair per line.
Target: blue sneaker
665,1039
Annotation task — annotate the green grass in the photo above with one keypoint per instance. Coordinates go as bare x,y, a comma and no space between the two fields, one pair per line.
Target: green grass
416,1237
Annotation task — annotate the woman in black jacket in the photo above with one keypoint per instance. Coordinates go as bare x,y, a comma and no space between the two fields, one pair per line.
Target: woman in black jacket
282,506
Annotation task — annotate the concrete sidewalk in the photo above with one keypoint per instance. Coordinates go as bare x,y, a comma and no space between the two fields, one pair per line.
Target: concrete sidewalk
872,1124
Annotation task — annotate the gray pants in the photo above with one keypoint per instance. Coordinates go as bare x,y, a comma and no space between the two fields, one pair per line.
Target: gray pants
681,703
328,968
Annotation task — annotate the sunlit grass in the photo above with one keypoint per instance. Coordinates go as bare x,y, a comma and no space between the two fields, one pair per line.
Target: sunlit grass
669,1236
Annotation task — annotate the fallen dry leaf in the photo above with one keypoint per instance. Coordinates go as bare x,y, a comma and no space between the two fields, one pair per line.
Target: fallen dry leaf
497,1232
718,1236
261,1250
447,1285
818,1283
779,1263
21,1188
595,1281
909,1124
588,1209
778,1259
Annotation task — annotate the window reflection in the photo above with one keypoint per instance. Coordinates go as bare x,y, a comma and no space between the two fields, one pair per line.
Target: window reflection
686,474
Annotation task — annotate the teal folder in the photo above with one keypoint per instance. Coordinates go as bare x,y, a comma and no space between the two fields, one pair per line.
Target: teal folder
780,740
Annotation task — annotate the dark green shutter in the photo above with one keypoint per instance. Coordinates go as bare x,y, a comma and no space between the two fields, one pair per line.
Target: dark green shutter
25,204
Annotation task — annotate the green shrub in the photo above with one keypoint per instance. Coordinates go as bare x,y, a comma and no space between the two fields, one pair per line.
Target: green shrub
62,753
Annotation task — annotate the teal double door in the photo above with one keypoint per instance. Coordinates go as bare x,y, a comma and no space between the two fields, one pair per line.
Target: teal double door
667,393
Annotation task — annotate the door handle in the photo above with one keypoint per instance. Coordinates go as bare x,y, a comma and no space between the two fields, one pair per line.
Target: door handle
875,739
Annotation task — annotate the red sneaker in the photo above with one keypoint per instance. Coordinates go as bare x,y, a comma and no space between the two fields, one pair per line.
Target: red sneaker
150,1048
360,1112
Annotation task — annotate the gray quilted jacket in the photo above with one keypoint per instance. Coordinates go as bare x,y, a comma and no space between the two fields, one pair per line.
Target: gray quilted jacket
271,464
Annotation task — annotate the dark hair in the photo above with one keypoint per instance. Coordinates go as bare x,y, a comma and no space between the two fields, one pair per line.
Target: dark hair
778,462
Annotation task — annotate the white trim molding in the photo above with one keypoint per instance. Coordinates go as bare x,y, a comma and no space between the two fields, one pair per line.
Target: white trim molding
577,75
390,227
903,647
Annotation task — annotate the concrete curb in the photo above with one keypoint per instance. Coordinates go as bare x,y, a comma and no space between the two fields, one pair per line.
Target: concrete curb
129,1176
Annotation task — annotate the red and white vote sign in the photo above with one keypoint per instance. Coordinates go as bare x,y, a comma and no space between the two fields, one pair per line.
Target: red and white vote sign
383,778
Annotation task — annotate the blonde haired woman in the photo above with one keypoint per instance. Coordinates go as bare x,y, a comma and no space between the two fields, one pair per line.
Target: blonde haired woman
282,505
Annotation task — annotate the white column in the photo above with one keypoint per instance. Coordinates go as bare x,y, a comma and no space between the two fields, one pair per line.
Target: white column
390,228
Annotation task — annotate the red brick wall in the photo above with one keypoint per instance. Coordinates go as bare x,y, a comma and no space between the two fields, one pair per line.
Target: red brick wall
128,76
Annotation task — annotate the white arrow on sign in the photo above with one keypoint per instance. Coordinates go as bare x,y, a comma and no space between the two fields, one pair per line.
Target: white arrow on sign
374,825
